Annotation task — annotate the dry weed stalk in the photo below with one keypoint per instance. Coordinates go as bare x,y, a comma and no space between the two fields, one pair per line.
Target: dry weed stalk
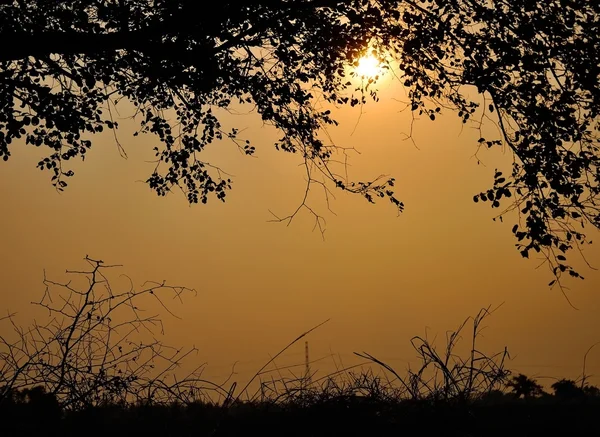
98,347
445,375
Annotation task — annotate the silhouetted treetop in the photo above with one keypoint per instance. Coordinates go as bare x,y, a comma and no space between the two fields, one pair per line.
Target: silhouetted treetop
535,66
523,386
568,389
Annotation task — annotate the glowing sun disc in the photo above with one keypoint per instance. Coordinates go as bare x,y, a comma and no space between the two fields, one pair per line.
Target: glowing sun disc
368,66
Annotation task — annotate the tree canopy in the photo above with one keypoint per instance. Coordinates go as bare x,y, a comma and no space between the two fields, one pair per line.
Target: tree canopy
535,65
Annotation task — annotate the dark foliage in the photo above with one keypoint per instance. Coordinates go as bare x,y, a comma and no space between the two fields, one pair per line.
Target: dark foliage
567,389
535,65
180,66
354,416
523,386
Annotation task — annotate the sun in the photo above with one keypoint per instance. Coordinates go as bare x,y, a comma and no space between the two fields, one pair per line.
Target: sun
369,67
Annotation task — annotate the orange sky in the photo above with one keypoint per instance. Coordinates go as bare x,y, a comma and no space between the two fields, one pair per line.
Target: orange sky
380,278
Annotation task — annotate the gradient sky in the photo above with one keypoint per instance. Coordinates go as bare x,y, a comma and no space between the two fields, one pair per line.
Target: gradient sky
381,278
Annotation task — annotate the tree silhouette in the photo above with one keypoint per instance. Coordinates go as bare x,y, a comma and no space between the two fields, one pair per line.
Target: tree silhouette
523,386
591,391
567,389
535,67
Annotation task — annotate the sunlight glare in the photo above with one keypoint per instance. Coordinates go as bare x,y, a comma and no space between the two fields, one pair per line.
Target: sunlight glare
369,67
